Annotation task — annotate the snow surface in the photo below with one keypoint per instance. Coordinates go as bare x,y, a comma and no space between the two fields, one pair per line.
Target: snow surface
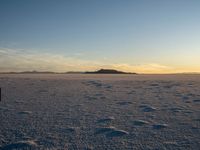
87,112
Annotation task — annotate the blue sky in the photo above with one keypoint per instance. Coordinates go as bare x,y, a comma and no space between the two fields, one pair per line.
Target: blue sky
147,36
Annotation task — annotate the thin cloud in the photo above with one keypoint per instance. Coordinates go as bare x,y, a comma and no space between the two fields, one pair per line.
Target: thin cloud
143,68
22,60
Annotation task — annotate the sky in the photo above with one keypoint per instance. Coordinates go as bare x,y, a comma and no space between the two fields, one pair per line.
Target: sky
144,36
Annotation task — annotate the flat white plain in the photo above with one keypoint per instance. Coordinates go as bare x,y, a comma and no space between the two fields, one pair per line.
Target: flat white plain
66,111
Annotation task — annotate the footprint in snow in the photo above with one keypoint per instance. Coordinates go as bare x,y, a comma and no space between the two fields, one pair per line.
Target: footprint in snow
196,101
147,108
29,144
176,109
111,132
140,122
124,103
25,112
104,130
4,109
154,84
106,120
116,133
69,129
160,126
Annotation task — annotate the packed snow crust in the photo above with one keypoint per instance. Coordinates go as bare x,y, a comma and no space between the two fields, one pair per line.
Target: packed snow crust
80,112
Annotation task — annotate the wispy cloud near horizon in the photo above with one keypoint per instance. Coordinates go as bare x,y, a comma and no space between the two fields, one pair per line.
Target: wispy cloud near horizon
16,60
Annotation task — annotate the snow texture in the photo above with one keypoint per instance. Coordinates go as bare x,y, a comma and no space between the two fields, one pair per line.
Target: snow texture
97,112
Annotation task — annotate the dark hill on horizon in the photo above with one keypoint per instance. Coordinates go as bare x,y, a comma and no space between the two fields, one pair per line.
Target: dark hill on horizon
101,71
108,71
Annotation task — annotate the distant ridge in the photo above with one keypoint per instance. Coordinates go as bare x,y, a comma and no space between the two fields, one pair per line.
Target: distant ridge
101,71
108,71
29,72
42,72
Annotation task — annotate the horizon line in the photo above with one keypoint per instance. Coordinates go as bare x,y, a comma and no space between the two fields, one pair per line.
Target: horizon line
84,72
